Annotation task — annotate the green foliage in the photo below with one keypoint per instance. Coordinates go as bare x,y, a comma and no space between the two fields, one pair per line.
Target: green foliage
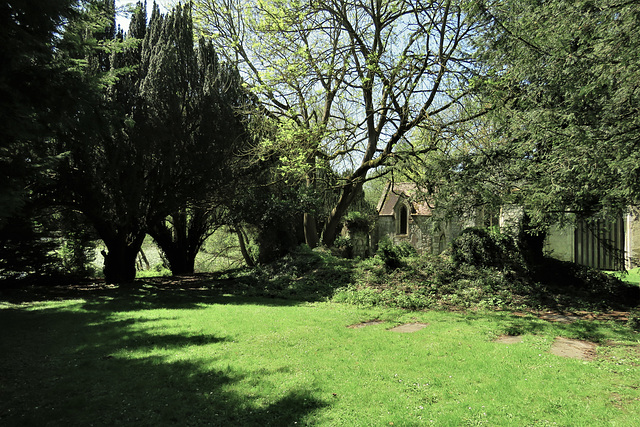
34,97
344,246
564,127
157,270
304,274
357,221
158,121
221,252
392,255
431,281
27,246
313,64
77,253
482,248
634,320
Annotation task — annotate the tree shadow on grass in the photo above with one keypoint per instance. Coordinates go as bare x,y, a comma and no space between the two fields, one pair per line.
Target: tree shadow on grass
187,292
68,366
570,327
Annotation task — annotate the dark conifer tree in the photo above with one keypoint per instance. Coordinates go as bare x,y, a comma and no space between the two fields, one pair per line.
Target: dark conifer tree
194,111
150,153
34,104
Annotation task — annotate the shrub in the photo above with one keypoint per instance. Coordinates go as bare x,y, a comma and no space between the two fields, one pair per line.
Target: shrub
480,248
357,221
634,320
392,254
343,247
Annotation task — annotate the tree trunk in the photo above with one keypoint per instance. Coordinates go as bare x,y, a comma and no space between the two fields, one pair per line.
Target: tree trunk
243,248
143,259
120,258
173,243
349,192
309,221
181,261
310,230
182,241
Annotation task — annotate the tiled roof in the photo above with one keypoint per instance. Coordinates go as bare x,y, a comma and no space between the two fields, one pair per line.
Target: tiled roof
392,194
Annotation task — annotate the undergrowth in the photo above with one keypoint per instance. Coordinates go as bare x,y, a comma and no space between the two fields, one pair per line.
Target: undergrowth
305,274
468,276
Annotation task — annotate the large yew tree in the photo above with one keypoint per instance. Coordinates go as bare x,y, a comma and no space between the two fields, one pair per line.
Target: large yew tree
33,96
566,83
150,147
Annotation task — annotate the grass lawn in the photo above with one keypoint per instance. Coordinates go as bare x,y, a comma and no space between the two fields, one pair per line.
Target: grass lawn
141,357
630,276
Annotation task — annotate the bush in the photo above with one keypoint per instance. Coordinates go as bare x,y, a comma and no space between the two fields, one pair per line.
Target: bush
392,254
304,274
634,320
343,247
480,248
357,221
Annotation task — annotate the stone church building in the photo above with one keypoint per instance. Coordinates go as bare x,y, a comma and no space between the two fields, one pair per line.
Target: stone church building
402,219
607,246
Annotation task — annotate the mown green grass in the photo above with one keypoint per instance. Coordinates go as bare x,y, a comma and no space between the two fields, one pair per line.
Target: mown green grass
631,276
140,358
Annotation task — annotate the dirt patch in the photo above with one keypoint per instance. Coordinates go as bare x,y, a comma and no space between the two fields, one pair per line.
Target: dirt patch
409,327
575,349
565,347
508,339
557,317
363,324
572,316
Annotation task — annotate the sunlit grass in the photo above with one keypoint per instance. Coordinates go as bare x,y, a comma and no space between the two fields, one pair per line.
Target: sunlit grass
629,276
239,361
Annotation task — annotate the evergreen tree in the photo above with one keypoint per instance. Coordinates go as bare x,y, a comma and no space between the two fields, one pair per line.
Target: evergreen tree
565,127
35,103
150,154
29,87
195,106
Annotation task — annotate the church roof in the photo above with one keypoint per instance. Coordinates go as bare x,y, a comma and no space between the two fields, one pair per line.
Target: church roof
396,190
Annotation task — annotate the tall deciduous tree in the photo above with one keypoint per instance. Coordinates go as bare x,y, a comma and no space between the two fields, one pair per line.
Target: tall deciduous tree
347,82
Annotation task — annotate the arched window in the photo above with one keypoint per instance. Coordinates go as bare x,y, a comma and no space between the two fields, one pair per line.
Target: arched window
404,218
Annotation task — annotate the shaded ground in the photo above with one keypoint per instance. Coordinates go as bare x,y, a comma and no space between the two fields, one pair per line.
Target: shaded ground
569,316
206,285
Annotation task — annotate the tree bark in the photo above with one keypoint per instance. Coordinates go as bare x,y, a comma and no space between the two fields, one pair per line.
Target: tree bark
173,243
309,221
181,242
349,192
310,230
243,248
120,258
